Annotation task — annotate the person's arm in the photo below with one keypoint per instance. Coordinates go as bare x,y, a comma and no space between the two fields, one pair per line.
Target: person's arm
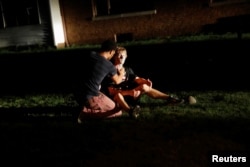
117,78
132,92
113,91
135,78
141,81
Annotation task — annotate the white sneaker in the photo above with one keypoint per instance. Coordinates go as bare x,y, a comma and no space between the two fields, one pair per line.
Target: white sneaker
191,100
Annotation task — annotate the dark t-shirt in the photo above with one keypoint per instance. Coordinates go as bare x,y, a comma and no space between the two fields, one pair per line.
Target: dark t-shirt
95,68
127,83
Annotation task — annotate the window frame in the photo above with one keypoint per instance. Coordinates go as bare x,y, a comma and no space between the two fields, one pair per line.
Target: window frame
109,15
7,17
213,3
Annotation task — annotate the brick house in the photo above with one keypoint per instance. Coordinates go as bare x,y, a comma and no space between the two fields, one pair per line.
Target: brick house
63,23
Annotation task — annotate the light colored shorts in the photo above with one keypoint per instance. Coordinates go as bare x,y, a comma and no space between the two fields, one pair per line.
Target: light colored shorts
100,107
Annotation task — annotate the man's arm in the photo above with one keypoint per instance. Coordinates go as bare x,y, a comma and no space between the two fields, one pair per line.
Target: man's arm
141,81
132,92
117,78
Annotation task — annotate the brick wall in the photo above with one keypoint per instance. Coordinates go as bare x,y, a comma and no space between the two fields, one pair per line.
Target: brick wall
182,17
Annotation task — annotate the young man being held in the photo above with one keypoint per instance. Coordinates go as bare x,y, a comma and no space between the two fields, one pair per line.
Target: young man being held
132,87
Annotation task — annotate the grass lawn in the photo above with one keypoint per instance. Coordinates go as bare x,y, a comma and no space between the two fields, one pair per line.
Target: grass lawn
43,134
38,129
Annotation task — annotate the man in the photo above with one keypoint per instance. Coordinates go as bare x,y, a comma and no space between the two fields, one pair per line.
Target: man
92,102
129,90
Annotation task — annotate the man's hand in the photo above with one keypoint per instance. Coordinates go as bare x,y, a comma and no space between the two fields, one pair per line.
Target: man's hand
149,83
144,81
121,71
118,78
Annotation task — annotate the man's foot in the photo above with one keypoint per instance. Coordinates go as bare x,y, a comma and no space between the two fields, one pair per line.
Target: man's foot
187,100
135,112
175,100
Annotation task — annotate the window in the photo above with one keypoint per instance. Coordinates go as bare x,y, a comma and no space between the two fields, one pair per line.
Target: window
123,8
225,2
19,13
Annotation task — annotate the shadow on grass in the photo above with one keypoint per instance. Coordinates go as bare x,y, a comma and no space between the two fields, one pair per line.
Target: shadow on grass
33,138
46,113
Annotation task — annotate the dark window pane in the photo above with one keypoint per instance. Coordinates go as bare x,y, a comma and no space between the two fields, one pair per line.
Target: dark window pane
18,13
122,6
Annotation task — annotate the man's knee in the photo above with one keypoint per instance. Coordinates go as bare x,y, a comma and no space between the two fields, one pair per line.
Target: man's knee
145,87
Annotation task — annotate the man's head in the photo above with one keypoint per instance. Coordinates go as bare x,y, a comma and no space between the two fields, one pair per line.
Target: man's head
108,46
120,56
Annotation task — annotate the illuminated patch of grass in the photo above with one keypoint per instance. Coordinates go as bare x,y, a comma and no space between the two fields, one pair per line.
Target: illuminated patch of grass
210,104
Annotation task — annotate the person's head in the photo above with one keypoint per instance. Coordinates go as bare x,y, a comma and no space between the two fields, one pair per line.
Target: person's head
120,56
109,47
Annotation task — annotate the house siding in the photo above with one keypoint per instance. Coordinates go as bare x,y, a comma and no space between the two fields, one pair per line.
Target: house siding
39,34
